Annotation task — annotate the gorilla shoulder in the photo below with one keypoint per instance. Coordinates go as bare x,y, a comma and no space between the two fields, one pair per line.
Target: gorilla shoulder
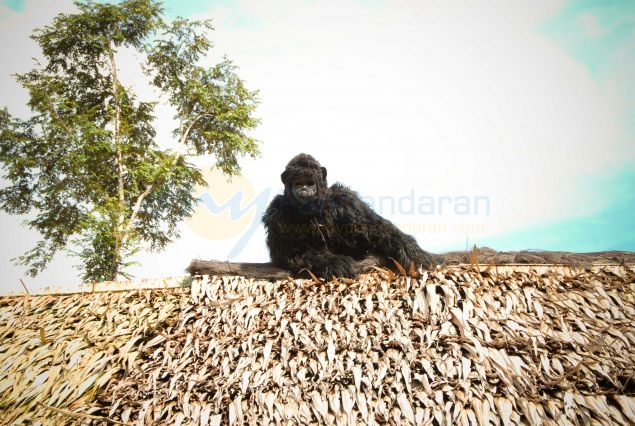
347,198
273,210
339,191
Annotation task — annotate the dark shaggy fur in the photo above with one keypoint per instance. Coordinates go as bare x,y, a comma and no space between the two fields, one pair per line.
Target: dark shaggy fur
329,233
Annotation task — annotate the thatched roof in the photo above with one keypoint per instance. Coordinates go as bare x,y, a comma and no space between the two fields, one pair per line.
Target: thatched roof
486,255
457,345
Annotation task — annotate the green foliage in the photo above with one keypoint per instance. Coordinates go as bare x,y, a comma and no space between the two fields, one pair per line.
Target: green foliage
212,104
86,163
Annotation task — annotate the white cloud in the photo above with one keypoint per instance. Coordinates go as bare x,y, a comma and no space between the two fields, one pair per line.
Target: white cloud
16,47
590,25
448,97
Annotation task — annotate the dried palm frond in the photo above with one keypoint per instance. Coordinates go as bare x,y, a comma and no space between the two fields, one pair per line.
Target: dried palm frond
457,345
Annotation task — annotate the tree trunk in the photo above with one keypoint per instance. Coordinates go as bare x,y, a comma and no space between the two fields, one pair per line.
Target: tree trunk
120,229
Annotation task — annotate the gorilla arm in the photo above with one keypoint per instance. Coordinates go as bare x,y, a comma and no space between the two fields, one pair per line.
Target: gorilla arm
295,247
397,245
374,234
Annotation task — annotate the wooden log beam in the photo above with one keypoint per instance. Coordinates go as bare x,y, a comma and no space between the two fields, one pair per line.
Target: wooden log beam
266,271
248,270
482,256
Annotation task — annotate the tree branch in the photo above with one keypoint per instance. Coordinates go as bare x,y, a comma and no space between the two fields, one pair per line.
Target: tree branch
136,208
62,123
186,133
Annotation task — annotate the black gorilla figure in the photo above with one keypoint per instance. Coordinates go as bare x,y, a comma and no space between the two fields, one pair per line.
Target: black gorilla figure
327,230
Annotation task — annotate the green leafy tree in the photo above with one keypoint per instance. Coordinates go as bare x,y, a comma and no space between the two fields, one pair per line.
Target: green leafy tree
87,164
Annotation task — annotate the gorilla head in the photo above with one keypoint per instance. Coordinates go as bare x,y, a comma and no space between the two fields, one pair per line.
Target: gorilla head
304,179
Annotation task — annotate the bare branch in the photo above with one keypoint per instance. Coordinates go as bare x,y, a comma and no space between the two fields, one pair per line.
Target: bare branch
186,133
136,208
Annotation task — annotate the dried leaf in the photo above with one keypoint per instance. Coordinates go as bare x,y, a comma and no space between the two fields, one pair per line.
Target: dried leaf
315,279
320,404
347,402
330,350
406,408
400,268
474,257
365,352
43,340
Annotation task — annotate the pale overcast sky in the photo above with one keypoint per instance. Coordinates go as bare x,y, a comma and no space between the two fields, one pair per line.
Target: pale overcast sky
496,123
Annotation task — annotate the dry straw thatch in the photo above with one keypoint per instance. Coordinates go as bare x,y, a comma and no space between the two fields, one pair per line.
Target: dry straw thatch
457,345
488,255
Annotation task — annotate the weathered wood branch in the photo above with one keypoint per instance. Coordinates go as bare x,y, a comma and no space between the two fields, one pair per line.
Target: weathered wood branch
265,271
249,270
483,256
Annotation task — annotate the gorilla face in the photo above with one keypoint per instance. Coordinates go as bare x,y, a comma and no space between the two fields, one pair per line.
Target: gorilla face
304,190
304,181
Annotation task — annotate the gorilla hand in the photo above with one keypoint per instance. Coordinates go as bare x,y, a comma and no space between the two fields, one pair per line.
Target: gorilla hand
339,266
